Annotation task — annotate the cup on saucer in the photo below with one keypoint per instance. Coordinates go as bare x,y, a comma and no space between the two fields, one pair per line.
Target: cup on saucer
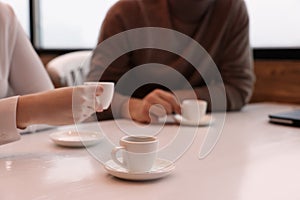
138,153
193,110
107,95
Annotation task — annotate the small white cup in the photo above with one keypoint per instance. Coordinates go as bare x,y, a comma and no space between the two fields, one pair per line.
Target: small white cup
193,109
138,153
108,92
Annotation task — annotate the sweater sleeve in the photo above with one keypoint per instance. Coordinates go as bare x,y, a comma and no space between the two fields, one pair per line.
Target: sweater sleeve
237,61
235,65
27,73
8,128
21,70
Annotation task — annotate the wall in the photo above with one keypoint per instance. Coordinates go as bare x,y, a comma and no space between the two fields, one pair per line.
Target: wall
277,81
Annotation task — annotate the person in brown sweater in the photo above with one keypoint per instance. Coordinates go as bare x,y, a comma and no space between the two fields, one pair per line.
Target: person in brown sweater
221,27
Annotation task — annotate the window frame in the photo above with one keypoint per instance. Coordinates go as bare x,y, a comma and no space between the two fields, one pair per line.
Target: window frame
258,53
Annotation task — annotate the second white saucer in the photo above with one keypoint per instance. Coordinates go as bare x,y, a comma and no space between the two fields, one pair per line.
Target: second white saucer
205,121
76,138
160,169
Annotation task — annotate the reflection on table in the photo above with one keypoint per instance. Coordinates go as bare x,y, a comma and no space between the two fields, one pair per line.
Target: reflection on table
252,160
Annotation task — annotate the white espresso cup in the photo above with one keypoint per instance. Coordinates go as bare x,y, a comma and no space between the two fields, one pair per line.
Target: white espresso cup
108,91
138,153
193,109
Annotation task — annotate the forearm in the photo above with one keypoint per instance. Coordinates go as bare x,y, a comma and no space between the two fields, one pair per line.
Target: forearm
52,107
28,110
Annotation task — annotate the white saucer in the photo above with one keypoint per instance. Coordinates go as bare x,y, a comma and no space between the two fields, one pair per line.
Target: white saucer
160,169
205,121
76,138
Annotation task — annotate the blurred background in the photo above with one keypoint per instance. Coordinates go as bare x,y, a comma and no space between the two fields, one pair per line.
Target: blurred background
274,34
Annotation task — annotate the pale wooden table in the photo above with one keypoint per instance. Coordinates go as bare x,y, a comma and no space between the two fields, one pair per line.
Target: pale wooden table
252,160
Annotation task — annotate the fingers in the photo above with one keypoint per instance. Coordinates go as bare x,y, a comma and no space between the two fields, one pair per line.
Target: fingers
157,110
91,90
99,91
98,106
85,101
155,105
171,99
138,110
91,94
166,100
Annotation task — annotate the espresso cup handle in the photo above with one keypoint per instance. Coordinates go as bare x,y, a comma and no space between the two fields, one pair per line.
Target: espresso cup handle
114,156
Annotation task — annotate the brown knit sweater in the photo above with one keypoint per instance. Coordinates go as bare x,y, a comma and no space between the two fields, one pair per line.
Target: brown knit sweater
223,31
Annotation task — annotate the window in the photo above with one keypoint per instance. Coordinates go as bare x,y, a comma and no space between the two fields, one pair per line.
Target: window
70,24
21,8
75,24
274,23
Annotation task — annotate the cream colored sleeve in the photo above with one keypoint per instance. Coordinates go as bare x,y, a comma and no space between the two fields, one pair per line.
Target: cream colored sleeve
8,128
21,70
27,73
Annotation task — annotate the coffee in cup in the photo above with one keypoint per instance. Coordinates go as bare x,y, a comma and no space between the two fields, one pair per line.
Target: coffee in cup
138,153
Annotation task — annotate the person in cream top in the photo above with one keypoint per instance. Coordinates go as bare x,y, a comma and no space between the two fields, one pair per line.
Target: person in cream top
27,95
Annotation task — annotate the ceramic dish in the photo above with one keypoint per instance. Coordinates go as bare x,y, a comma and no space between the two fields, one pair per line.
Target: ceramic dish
160,169
76,138
205,121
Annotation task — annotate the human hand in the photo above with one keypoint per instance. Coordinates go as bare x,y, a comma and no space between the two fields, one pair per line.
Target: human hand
85,101
58,107
156,104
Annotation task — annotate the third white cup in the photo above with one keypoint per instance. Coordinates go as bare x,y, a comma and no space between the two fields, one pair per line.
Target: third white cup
193,109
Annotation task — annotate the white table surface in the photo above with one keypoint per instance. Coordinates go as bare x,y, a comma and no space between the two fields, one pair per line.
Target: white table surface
252,160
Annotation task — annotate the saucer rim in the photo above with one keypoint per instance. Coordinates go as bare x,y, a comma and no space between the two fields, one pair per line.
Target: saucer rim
140,176
57,138
207,120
